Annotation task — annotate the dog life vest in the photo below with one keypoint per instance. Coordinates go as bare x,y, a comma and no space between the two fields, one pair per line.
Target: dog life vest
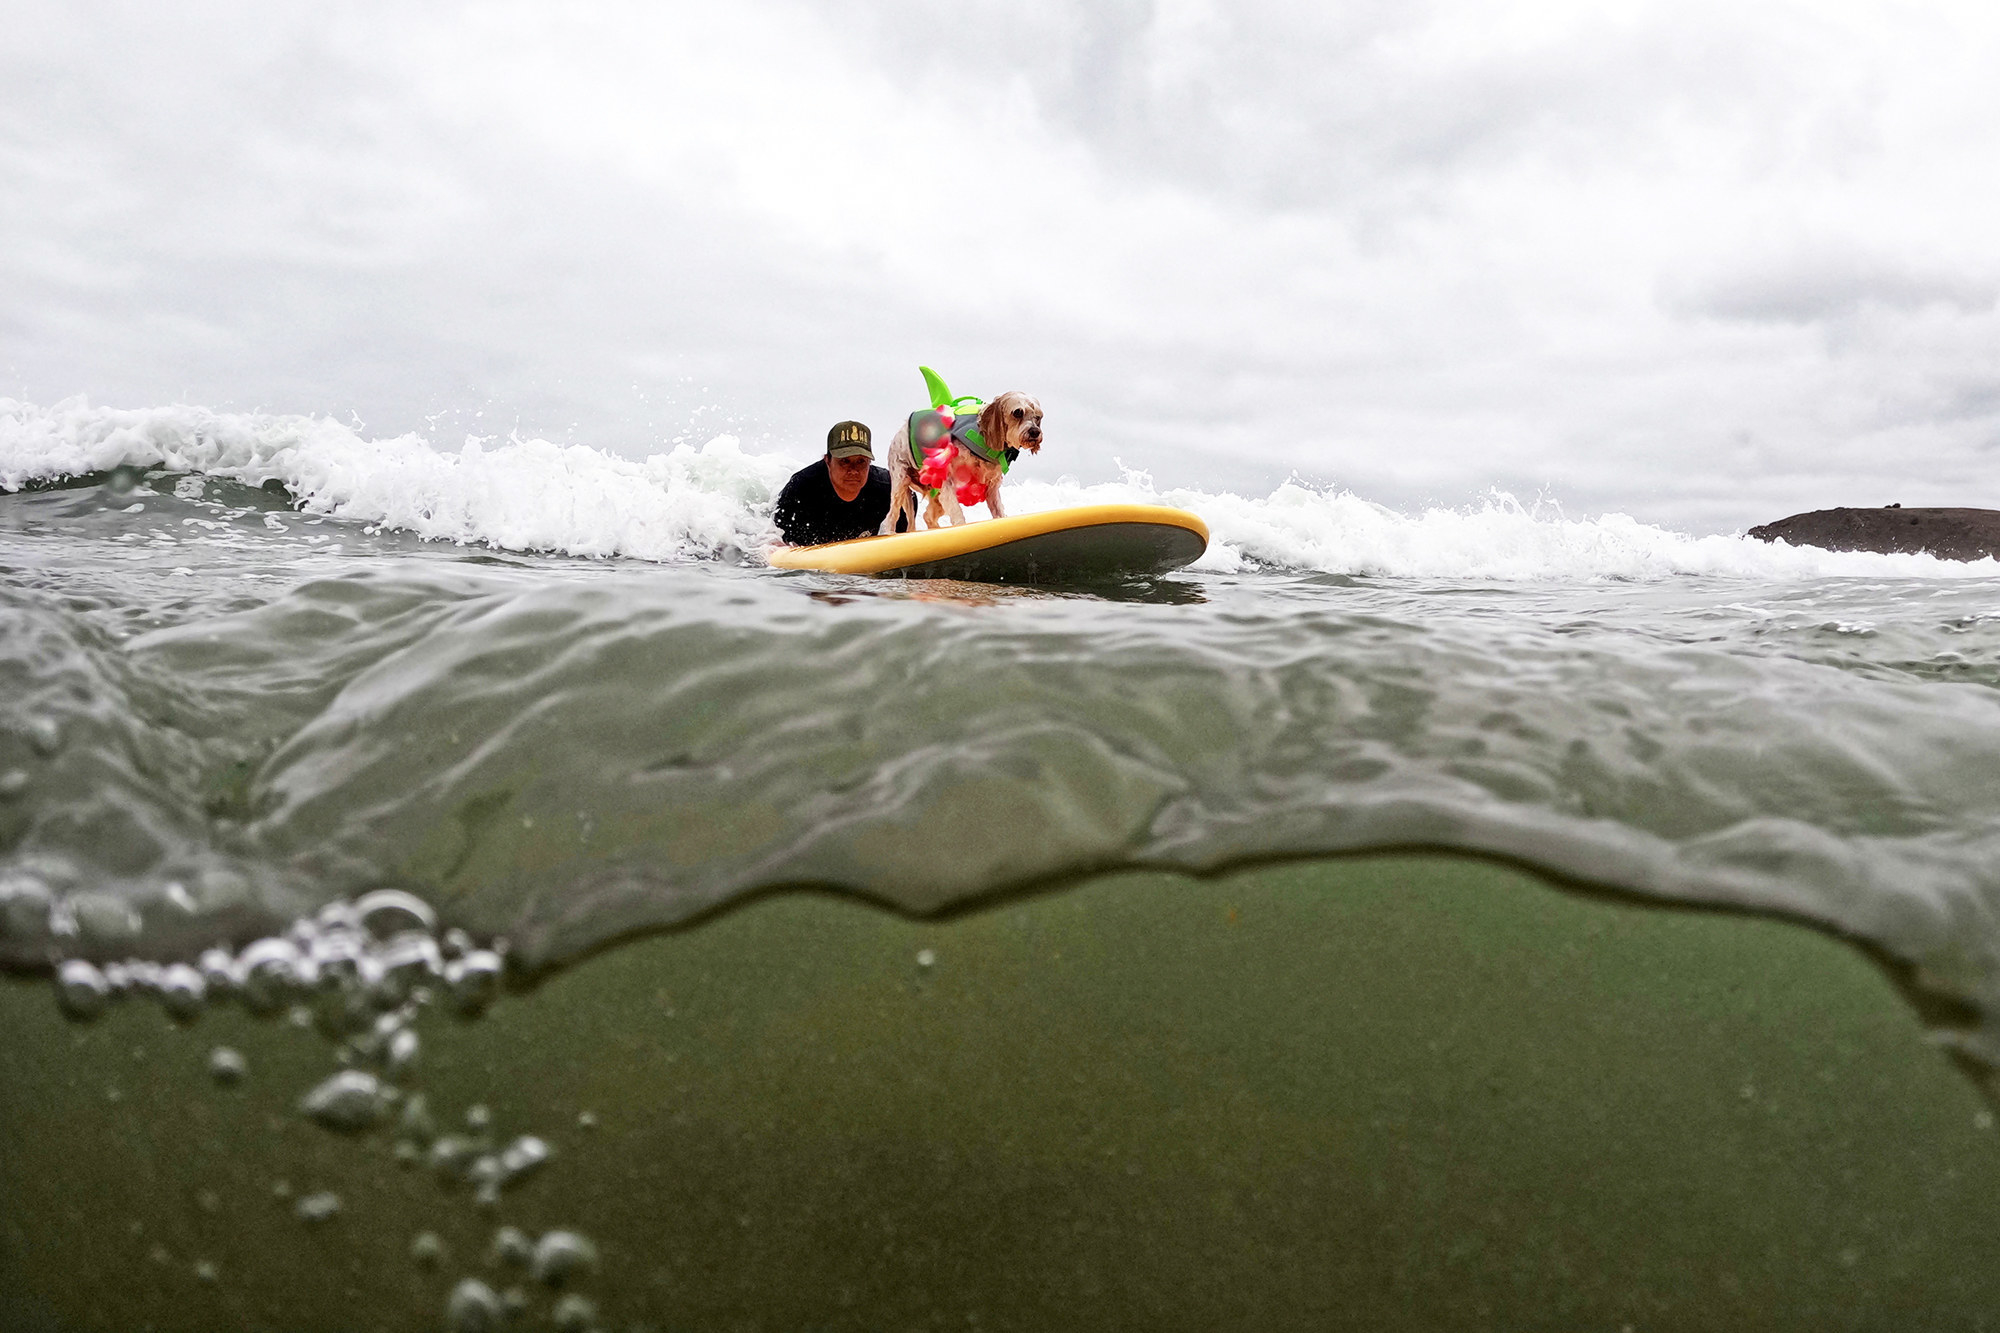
930,428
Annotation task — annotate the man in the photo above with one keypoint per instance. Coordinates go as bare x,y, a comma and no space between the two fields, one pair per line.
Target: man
843,495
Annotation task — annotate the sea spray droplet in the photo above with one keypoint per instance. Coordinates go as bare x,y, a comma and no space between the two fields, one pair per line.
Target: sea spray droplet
82,991
227,1067
349,1102
473,1308
317,1208
563,1255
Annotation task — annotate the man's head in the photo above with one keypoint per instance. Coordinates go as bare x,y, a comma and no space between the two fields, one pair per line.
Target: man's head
849,455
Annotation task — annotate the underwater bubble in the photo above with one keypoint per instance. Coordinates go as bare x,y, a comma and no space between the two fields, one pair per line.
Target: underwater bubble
574,1314
387,913
473,981
82,991
205,1271
118,977
522,1157
269,974
926,959
405,961
562,1255
407,1153
415,1123
516,1301
336,955
452,1156
183,993
427,1250
586,1120
317,1208
104,919
13,784
44,735
456,943
403,1049
218,972
348,1102
511,1248
25,907
473,1308
227,1067
485,1180
479,1117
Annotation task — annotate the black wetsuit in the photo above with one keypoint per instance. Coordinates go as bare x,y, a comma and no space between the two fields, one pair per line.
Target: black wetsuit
810,512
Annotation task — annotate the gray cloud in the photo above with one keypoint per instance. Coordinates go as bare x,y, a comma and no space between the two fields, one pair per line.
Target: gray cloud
1817,287
1416,250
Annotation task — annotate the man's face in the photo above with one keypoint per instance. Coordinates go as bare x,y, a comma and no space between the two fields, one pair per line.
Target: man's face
849,474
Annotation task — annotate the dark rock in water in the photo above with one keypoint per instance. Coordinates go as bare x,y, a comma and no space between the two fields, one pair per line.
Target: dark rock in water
1949,534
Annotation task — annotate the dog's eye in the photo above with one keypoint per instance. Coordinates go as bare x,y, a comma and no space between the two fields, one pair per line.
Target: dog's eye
1018,414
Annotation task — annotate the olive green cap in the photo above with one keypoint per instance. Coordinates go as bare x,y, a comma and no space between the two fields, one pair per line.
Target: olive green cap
848,440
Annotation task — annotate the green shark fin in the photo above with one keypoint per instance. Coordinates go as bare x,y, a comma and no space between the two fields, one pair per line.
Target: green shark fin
940,396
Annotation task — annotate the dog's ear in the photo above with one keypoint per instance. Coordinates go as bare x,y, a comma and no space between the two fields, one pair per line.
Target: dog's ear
993,423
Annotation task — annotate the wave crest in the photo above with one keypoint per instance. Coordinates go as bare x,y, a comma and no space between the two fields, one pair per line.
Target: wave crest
699,502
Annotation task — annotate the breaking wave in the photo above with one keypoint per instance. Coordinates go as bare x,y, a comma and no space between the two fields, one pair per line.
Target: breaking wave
700,502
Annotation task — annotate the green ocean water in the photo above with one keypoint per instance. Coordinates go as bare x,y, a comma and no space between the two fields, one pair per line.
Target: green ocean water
1384,1093
1262,947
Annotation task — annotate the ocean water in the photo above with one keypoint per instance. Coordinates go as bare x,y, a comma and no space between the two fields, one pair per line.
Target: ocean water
343,727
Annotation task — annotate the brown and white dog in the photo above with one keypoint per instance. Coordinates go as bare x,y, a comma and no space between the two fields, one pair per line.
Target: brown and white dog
1011,421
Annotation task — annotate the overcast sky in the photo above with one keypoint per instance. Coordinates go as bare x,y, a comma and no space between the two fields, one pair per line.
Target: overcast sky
1703,263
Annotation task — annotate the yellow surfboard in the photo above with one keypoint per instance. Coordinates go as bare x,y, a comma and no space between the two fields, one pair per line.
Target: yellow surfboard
1057,546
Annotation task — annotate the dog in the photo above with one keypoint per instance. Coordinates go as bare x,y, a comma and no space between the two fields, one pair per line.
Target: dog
1009,425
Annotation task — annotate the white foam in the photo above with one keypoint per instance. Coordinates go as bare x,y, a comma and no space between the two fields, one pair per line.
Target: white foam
1335,532
690,503
524,495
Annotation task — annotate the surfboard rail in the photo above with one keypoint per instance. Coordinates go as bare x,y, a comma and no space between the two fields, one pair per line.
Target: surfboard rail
1101,540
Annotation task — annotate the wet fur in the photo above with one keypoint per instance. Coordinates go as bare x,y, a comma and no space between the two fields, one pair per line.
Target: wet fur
1011,421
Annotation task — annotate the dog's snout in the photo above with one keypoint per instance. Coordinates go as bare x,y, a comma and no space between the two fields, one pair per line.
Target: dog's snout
1034,432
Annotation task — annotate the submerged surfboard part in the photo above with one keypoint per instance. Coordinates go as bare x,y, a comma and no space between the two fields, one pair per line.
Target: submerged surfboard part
1081,543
